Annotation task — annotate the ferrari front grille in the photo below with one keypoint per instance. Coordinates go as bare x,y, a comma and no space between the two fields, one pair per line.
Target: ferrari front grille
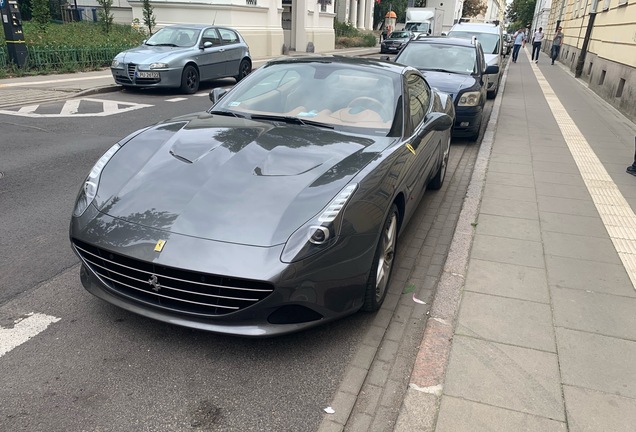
177,290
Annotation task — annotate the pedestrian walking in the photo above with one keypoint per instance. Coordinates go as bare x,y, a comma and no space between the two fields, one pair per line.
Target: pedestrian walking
632,168
537,39
520,37
556,44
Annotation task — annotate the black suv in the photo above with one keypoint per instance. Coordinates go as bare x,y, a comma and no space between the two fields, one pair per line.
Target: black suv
455,66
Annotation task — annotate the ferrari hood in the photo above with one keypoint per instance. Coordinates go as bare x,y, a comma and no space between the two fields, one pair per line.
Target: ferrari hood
231,179
449,82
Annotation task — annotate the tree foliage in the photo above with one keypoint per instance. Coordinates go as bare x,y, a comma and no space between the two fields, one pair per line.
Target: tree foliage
520,14
105,15
149,17
472,8
40,13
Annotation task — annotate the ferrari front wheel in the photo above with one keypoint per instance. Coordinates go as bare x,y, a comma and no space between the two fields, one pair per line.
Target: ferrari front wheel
383,261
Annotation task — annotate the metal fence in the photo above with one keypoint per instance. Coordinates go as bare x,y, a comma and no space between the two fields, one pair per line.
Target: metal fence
59,58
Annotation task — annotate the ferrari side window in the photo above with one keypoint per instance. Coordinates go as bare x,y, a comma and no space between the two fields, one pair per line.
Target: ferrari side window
419,98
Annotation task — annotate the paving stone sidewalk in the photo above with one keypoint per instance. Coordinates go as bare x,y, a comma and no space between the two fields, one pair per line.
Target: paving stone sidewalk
545,337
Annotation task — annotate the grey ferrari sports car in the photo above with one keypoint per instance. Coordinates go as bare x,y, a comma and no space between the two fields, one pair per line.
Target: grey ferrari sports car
276,210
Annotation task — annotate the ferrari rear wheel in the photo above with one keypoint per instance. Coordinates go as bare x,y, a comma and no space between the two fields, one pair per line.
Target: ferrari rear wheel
380,275
437,181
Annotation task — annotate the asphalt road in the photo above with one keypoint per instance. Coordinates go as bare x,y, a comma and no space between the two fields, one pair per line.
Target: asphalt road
101,368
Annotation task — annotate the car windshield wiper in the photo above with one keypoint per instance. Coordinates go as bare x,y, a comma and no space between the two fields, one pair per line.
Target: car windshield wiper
164,44
226,113
440,70
290,119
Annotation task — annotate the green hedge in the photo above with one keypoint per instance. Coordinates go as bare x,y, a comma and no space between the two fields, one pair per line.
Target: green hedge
70,47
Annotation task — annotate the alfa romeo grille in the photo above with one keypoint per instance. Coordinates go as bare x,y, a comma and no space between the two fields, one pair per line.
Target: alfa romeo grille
131,71
178,290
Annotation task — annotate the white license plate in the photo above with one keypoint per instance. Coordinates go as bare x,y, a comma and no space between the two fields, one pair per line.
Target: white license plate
147,74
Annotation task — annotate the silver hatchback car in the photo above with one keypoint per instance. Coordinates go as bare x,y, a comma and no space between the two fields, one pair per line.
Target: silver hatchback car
182,56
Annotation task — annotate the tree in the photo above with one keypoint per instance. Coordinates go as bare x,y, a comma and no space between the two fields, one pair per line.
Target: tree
41,13
472,8
105,14
149,16
520,14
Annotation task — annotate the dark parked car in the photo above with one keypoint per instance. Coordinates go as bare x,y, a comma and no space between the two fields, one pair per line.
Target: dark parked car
457,67
395,41
276,210
182,56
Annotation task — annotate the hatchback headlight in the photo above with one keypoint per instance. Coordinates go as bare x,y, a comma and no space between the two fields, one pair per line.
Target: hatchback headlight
116,64
469,99
89,189
158,65
320,232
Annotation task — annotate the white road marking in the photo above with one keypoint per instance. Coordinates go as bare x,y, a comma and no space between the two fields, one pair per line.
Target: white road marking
179,99
71,106
28,109
202,94
32,83
24,330
617,215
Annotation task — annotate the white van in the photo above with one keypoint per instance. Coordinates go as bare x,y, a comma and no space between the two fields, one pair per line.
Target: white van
490,36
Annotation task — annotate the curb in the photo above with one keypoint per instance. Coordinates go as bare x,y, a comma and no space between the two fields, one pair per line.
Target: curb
98,90
421,403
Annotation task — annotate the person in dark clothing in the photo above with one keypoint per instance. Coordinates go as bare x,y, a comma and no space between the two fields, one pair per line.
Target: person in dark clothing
556,44
632,168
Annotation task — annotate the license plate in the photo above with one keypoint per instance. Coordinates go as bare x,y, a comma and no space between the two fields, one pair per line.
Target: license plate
147,74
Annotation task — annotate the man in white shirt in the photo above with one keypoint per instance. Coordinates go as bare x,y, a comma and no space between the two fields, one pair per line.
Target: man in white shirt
536,44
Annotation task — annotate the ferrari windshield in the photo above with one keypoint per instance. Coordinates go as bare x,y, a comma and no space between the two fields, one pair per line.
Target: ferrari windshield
434,56
175,37
336,94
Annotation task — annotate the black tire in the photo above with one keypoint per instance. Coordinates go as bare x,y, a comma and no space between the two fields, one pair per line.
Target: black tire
493,94
189,80
382,263
437,182
244,70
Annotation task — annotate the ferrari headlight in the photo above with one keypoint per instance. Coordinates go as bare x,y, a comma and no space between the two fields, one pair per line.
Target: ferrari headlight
89,189
116,64
158,65
469,99
320,232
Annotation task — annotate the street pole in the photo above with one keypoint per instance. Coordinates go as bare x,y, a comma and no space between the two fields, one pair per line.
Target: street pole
586,41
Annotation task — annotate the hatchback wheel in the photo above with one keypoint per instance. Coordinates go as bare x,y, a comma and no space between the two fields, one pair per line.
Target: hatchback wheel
189,80
244,70
437,181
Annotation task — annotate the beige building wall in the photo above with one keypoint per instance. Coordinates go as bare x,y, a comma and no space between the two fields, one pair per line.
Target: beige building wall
258,21
609,66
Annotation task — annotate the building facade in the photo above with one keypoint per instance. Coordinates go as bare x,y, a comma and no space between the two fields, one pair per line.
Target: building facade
599,46
541,14
267,25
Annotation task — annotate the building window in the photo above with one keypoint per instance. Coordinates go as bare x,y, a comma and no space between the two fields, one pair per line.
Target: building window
606,4
589,69
323,5
621,86
622,2
601,80
250,2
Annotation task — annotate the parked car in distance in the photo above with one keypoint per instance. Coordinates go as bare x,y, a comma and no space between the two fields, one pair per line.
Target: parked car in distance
182,56
455,66
395,41
508,43
276,210
490,36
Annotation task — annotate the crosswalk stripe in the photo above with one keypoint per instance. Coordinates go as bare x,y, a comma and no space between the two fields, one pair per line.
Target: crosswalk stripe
176,99
28,109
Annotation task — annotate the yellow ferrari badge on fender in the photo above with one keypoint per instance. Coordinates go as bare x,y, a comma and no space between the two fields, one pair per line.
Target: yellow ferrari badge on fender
410,147
159,246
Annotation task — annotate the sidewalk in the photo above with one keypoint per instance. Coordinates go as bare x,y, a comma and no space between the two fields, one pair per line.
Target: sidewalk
533,327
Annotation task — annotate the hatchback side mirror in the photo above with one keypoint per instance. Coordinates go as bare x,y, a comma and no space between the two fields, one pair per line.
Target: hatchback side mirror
491,70
207,44
385,58
217,94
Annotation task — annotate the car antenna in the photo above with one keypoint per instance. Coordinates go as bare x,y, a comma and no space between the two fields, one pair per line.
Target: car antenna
214,20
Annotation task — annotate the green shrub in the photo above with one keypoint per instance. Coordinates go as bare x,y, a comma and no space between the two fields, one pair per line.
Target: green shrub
347,36
70,47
